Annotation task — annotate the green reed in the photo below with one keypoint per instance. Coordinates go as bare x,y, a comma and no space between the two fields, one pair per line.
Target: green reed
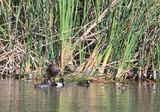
75,31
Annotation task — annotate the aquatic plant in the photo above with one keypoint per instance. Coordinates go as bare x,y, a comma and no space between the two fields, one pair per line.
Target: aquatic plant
115,38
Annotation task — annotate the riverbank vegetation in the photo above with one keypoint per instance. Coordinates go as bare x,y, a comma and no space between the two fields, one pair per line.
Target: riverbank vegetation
111,38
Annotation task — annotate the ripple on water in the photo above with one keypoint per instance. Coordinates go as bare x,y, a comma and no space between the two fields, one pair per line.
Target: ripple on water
21,96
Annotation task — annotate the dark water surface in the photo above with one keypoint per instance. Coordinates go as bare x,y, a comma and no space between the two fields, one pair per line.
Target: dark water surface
21,96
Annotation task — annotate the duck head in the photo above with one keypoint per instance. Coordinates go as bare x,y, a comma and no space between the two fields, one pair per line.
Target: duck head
61,80
88,83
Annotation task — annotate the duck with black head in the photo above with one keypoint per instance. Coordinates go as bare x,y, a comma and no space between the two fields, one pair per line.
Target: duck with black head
58,84
85,83
48,83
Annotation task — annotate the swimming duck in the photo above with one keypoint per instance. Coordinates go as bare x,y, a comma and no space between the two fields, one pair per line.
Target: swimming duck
85,83
60,83
49,83
43,85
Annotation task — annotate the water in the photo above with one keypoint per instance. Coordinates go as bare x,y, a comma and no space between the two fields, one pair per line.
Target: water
21,96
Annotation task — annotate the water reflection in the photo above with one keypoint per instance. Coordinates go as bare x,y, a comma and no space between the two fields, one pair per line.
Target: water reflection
21,96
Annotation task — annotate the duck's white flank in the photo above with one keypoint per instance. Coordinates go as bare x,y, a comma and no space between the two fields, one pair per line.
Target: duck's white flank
59,84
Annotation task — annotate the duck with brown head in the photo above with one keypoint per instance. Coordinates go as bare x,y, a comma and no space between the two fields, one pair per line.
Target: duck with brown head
52,71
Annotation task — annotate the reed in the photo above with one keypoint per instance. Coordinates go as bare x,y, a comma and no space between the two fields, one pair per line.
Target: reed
99,37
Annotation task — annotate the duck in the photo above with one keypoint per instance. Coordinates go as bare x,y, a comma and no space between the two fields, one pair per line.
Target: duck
85,83
43,85
52,71
70,68
48,83
60,83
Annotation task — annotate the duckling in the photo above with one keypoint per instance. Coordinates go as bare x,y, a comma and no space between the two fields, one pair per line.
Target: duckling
85,83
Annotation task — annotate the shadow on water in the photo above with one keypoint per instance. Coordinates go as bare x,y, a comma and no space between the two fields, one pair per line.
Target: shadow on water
21,96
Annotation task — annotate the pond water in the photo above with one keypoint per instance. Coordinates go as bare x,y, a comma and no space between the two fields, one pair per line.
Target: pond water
21,96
